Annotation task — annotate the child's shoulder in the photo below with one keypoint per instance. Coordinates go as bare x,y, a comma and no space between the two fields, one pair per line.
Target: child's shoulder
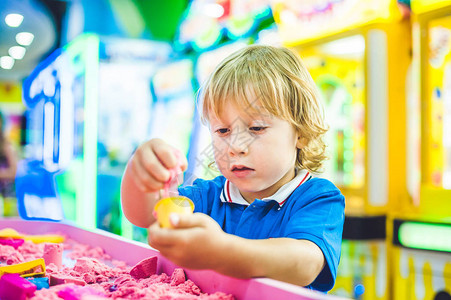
202,190
318,185
215,183
317,190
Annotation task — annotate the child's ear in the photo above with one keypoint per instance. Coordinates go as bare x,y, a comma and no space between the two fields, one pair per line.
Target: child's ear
302,142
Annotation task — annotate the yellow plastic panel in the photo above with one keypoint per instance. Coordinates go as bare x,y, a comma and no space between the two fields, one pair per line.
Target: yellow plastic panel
438,120
423,6
420,275
301,21
337,67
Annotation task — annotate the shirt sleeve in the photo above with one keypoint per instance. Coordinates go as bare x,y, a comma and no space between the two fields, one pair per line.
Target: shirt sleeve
319,218
193,192
203,193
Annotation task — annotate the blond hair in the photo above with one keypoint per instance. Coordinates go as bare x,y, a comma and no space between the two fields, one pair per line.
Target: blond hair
283,87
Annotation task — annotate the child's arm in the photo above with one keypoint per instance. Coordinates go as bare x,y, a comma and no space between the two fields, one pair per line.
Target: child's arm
145,175
295,261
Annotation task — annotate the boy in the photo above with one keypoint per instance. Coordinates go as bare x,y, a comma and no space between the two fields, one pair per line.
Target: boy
265,216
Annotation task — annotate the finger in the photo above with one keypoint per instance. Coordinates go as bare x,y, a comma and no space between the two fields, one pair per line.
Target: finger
138,182
155,244
152,164
181,221
183,163
175,256
156,236
164,237
166,251
165,154
143,179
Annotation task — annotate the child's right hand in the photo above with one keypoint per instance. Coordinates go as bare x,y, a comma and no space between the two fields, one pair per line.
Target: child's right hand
151,162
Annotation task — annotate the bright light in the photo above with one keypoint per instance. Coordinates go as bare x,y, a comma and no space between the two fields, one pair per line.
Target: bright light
213,10
24,38
6,62
13,20
425,236
354,45
288,17
17,52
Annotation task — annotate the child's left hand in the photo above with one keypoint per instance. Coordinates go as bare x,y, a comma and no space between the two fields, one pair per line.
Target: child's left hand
191,243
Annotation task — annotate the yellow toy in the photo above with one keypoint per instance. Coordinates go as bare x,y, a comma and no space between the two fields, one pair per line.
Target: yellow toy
166,206
27,269
37,239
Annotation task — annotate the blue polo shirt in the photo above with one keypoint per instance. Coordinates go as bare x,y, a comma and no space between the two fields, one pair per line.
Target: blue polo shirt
313,211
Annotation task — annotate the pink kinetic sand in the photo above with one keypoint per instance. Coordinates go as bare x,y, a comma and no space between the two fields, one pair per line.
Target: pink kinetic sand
53,254
88,273
144,268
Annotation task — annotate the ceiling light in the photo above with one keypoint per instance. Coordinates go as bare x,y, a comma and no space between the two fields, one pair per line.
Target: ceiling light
16,52
14,20
6,62
213,10
24,38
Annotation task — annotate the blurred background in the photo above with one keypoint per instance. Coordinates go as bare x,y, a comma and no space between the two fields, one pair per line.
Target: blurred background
84,82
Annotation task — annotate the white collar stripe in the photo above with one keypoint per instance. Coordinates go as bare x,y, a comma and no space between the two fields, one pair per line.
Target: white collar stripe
302,181
228,191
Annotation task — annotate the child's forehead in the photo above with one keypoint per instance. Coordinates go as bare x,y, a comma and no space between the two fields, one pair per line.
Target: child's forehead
242,109
247,101
254,107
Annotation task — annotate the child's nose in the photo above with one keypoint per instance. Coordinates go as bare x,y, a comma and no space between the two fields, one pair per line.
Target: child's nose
239,143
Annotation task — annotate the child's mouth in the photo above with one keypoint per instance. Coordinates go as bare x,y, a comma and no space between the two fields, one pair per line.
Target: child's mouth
241,171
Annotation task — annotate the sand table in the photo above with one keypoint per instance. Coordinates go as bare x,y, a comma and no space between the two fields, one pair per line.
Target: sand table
77,271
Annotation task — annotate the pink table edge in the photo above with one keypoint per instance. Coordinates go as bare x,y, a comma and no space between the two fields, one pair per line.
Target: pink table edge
132,252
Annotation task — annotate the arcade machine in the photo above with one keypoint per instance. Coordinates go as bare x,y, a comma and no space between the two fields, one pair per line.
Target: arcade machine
247,18
206,24
85,118
358,55
12,114
12,110
422,223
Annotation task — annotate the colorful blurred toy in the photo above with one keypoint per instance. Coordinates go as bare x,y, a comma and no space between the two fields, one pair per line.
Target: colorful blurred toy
14,287
167,206
172,202
15,243
39,282
38,238
27,269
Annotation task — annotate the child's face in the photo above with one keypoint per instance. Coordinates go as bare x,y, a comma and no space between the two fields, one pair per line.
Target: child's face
254,150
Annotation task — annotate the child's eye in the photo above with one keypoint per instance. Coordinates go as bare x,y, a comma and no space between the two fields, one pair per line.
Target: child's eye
222,131
257,128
